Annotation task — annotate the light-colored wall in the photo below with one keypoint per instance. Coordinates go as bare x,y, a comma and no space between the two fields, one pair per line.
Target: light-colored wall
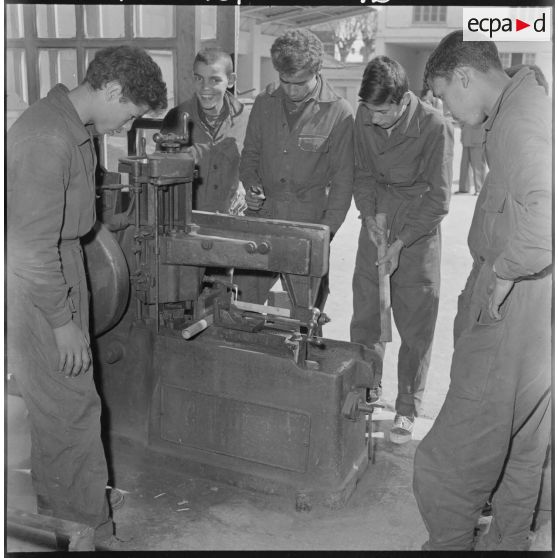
411,44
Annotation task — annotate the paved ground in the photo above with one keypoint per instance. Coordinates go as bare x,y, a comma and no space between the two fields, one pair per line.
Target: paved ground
170,510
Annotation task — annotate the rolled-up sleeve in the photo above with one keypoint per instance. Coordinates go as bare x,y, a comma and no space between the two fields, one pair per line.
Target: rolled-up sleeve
37,177
437,173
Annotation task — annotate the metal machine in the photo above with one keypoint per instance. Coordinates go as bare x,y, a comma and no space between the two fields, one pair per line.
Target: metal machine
250,393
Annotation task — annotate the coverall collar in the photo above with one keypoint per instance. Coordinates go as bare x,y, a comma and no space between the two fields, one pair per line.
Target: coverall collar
515,82
58,96
323,93
233,106
408,125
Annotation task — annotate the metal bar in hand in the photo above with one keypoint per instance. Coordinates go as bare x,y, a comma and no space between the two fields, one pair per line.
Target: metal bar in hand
384,281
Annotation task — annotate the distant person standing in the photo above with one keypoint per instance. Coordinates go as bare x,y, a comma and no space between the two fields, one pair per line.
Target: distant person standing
473,163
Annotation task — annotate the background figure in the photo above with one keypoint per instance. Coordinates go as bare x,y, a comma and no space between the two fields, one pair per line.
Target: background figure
473,163
403,153
51,204
218,123
297,161
490,438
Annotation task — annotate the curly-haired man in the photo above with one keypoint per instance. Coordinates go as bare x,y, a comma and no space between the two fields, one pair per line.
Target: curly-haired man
297,161
50,205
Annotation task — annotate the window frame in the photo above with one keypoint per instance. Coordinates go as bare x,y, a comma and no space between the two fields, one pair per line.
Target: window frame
420,10
182,45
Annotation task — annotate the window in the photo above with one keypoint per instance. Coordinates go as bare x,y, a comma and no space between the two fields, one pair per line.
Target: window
48,44
103,21
14,21
59,41
16,75
208,16
430,14
153,21
514,58
56,21
57,66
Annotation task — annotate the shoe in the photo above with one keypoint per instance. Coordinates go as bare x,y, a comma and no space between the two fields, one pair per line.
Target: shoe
116,498
402,429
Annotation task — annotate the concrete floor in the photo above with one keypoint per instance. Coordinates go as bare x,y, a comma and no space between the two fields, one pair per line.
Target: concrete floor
173,510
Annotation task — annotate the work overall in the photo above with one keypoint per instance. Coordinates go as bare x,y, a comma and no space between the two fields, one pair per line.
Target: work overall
50,205
407,176
490,438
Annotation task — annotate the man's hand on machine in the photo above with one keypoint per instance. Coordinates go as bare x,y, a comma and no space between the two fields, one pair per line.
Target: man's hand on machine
391,259
255,197
73,348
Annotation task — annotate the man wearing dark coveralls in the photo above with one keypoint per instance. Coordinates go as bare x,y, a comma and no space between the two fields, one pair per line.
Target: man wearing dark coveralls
51,204
403,153
297,161
218,125
492,432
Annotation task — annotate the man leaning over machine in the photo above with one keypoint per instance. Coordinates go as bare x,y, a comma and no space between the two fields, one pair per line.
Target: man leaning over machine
297,161
491,435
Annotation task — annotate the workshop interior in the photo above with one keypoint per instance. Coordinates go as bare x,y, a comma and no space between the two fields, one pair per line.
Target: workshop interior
191,376
253,394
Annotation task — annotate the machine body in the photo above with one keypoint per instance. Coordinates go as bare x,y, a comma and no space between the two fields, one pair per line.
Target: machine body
250,394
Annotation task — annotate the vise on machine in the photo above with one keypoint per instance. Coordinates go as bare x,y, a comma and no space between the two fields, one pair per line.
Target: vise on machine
246,393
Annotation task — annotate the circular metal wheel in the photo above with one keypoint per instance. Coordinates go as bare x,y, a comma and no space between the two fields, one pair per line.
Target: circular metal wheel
108,277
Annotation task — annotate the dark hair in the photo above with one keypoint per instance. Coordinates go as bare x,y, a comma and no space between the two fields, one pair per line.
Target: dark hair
384,81
539,76
453,52
296,50
136,72
211,55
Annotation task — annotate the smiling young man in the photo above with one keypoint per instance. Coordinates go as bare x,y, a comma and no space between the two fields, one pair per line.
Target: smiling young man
403,153
218,126
51,204
490,438
297,161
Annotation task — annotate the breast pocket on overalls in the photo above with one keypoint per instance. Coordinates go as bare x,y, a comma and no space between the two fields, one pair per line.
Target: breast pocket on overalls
494,225
314,143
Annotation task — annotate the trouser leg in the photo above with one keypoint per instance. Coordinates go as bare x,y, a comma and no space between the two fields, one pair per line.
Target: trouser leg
69,468
365,321
415,310
464,185
513,503
459,462
415,294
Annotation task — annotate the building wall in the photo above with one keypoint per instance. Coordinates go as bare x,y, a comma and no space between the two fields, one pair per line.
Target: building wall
411,44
